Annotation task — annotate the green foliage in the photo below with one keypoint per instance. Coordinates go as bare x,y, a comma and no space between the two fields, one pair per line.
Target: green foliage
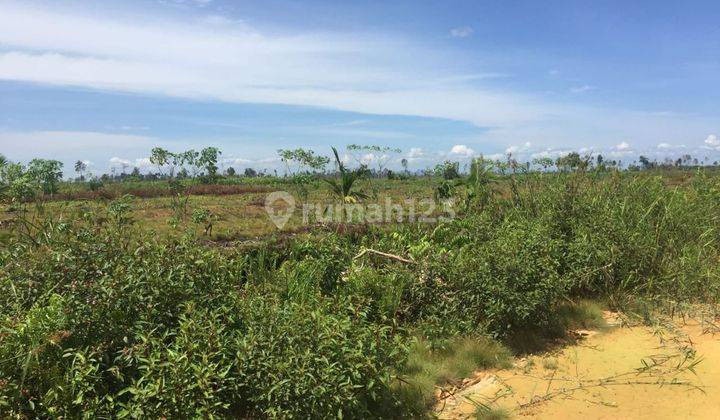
46,174
208,160
430,364
379,154
491,413
203,217
101,318
448,170
97,328
94,184
160,157
342,187
119,211
305,159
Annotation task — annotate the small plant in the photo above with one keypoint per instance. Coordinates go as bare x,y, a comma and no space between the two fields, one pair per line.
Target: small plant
119,211
448,170
342,187
204,218
94,184
484,412
550,363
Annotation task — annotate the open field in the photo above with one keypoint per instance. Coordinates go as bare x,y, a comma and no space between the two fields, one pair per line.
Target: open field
194,304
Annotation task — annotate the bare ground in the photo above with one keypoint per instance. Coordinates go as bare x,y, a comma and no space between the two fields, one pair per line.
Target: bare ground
668,371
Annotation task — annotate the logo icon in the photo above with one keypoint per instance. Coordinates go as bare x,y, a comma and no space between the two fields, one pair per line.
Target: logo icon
280,206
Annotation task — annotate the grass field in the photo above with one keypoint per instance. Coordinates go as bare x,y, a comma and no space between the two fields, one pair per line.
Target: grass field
129,306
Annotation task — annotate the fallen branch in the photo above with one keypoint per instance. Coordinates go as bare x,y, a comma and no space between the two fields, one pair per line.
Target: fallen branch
384,254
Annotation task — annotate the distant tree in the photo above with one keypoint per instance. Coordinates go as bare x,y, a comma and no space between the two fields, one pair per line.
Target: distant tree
544,162
380,154
230,171
404,163
645,162
302,160
250,173
80,167
10,173
188,158
160,158
46,174
208,160
94,184
599,159
572,161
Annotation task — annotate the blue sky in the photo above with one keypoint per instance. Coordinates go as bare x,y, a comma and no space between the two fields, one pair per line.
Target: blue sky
440,80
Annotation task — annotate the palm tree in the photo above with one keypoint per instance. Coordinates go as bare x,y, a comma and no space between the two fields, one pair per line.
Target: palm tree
80,167
343,186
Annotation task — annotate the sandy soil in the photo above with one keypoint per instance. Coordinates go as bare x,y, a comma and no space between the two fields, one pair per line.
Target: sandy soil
638,372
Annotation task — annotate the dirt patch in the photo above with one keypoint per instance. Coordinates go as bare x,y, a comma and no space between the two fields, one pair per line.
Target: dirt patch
635,372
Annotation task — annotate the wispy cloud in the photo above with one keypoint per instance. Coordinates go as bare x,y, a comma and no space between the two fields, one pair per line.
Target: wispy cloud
623,146
222,59
668,146
461,32
518,149
238,63
582,89
71,144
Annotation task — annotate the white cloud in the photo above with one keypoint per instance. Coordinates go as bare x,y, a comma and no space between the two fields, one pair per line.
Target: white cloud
198,3
462,150
140,163
550,153
496,156
415,152
622,146
116,161
712,141
668,146
582,89
518,149
368,158
461,32
236,161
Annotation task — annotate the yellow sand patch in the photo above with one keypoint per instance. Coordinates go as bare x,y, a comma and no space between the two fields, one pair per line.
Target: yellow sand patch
624,372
